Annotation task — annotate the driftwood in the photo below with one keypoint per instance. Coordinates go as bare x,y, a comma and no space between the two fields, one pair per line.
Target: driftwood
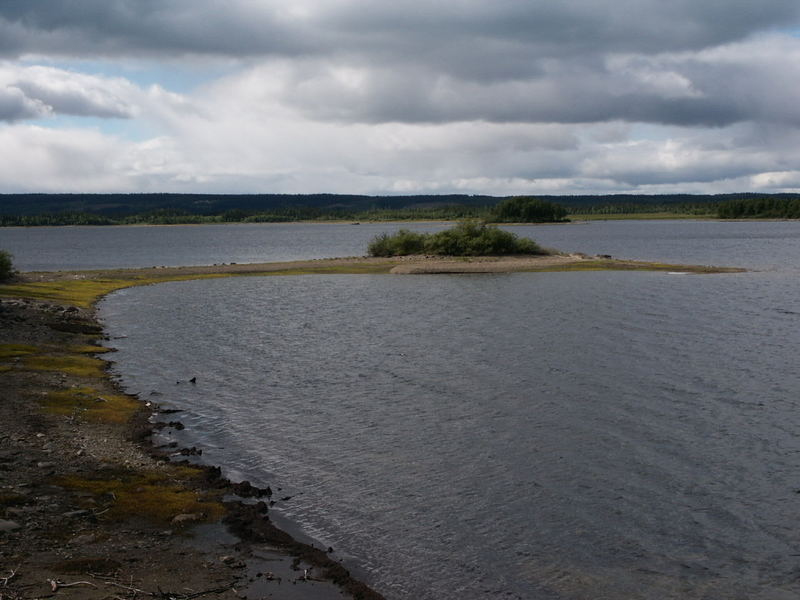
10,577
162,595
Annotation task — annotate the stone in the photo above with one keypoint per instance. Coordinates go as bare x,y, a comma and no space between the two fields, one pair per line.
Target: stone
7,526
82,540
186,518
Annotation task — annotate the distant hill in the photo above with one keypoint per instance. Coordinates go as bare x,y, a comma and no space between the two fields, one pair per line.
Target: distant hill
118,205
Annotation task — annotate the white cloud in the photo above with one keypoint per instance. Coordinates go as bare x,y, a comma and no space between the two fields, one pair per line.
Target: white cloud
74,160
39,91
374,97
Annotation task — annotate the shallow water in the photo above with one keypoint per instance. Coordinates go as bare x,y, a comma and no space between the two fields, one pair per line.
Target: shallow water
555,435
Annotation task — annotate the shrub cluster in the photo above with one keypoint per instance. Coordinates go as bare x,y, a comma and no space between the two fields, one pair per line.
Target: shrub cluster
468,238
6,268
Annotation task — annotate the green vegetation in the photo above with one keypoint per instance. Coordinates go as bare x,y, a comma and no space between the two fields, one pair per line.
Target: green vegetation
153,496
173,209
641,216
91,405
402,243
627,210
176,209
11,351
70,364
277,215
760,208
527,209
6,267
468,238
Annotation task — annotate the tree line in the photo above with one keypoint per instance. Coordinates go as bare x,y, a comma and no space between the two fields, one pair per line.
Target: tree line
520,209
760,208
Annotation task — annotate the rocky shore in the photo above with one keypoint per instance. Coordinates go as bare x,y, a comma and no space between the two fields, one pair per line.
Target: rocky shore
90,509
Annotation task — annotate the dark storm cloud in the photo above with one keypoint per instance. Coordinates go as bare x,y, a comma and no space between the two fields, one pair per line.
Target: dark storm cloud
148,28
512,29
566,92
16,106
426,62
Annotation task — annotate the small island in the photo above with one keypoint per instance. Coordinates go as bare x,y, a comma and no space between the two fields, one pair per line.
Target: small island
468,238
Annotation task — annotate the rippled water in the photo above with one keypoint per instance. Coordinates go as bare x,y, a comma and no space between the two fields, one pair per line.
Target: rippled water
65,248
558,435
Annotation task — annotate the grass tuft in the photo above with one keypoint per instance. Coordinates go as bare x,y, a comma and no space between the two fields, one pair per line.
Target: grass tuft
150,496
77,365
88,349
91,405
16,350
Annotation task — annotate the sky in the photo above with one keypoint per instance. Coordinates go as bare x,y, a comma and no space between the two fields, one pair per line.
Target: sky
492,97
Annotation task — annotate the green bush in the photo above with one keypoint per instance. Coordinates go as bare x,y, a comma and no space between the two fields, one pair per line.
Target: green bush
402,243
468,238
6,268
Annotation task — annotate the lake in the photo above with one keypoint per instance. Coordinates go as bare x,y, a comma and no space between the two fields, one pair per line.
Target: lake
66,248
551,435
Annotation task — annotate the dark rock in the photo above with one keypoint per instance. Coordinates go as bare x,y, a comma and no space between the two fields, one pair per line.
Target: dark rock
76,327
7,526
246,490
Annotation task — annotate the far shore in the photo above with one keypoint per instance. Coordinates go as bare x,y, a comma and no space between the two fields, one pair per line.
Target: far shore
573,219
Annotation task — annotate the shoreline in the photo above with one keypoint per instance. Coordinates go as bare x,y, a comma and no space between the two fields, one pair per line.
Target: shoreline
574,219
91,508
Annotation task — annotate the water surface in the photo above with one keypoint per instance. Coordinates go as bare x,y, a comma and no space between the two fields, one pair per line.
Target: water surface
554,435
70,248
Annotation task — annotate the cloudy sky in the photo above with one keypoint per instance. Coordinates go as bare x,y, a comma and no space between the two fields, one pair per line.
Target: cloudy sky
400,96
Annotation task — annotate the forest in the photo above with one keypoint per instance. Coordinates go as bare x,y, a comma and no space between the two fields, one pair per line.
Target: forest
170,209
